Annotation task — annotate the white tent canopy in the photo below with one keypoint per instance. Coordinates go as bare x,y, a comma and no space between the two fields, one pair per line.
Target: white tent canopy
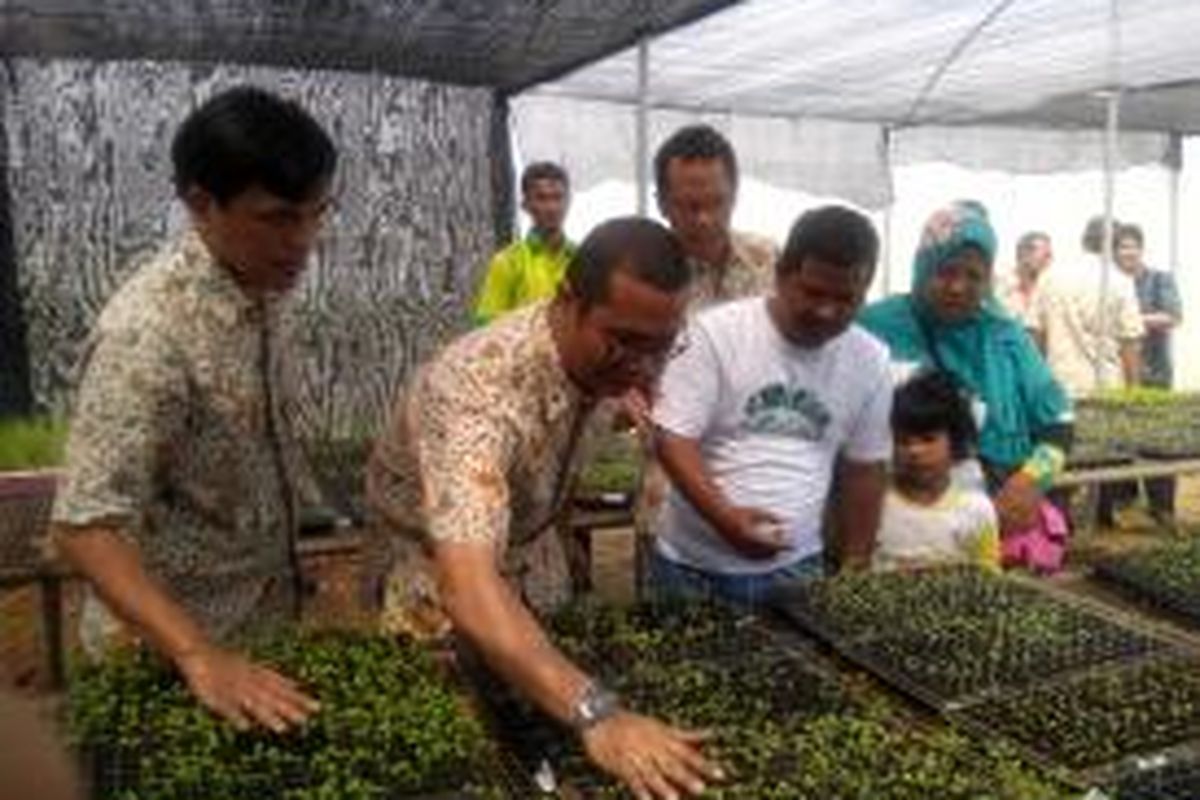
829,97
926,62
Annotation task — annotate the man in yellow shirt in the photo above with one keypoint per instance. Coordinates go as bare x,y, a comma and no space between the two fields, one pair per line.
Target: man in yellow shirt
531,268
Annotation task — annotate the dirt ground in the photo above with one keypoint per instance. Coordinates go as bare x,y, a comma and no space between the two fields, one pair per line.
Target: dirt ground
334,582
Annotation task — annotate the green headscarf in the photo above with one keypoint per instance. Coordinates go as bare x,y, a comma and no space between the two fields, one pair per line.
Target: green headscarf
989,353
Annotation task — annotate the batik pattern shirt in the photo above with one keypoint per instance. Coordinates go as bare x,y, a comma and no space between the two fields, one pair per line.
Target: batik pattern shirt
480,449
183,440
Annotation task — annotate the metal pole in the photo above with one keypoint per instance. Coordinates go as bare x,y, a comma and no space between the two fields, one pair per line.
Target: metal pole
642,122
1111,128
1175,165
1112,112
887,212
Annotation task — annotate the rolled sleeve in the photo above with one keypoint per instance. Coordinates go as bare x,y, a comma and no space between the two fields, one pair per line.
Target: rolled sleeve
869,438
690,388
130,406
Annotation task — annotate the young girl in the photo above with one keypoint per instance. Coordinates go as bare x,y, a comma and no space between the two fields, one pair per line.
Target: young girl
927,519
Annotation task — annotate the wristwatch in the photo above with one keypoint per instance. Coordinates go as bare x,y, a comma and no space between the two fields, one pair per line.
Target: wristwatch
595,704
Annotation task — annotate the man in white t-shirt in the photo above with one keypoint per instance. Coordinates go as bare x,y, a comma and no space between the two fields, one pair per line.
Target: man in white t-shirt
770,400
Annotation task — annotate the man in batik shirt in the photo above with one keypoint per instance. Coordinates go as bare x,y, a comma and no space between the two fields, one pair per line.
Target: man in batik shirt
473,470
179,497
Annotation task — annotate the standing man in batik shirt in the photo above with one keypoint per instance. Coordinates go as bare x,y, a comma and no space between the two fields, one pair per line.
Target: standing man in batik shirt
696,180
531,268
179,497
473,470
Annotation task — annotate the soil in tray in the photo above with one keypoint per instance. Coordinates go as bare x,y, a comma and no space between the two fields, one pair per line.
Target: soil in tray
612,639
859,606
853,756
389,726
1103,716
949,635
1179,781
959,657
1166,576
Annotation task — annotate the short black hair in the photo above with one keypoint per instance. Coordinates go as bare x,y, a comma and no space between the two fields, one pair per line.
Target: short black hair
1093,234
247,136
640,247
932,401
693,142
835,234
1027,239
543,171
1129,230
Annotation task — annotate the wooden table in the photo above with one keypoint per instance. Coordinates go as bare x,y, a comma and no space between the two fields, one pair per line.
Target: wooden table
1093,478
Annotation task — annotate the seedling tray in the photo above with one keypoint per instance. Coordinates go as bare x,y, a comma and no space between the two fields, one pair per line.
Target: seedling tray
1167,578
1157,781
969,635
389,726
1096,722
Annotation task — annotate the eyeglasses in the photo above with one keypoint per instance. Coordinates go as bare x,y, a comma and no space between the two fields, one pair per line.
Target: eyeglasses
626,346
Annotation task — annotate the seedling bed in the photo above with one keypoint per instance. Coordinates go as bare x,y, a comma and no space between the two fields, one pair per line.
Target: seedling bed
1171,781
389,727
954,636
785,728
1167,577
1096,721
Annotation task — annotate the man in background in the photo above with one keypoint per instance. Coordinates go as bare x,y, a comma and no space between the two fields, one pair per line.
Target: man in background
1019,289
1092,342
532,267
1162,310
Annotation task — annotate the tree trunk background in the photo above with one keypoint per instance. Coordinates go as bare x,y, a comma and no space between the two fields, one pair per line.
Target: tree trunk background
392,276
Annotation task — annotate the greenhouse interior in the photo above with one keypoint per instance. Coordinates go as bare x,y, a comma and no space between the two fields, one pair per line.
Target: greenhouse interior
483,400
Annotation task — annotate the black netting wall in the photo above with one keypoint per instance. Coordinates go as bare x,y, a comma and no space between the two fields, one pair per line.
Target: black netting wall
88,174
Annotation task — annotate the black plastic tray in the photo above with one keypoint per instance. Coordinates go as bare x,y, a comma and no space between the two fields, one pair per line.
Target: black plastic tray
1075,713
1178,603
909,661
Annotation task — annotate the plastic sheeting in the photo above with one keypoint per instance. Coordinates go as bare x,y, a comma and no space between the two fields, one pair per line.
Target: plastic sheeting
595,142
923,62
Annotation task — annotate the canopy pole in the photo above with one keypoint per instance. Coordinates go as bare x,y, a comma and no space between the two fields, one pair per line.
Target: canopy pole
1112,112
888,209
642,123
1112,109
1173,181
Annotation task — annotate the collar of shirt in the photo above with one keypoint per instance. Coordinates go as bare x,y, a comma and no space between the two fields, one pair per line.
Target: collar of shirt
538,246
559,391
225,298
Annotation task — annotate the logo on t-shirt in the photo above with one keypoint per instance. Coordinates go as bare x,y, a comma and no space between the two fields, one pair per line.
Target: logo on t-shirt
783,411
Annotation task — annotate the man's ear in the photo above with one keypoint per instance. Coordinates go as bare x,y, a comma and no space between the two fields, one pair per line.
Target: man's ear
198,202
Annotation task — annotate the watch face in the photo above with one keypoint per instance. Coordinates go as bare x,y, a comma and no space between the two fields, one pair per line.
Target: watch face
596,705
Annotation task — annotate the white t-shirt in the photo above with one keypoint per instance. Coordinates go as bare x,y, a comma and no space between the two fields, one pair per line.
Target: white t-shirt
771,418
960,528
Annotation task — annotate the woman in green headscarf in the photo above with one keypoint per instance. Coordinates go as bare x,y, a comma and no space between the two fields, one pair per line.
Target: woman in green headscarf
951,321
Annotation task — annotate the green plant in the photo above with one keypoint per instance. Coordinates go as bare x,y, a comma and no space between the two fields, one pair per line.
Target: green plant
785,729
389,726
1168,576
950,634
33,443
1103,715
